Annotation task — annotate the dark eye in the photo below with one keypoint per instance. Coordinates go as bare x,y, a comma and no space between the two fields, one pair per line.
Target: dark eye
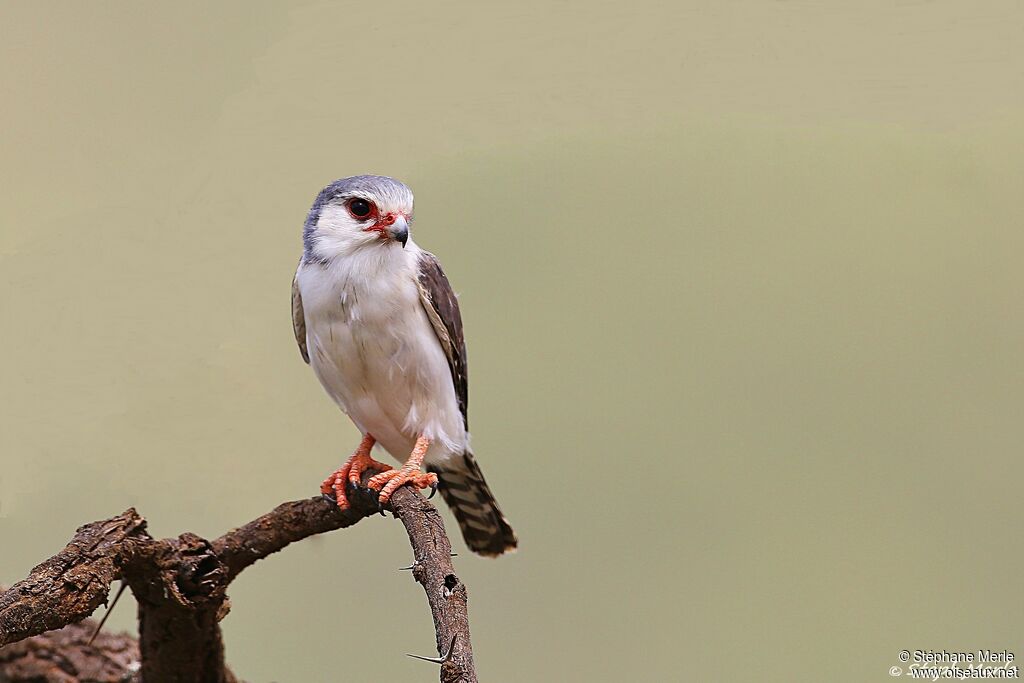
360,208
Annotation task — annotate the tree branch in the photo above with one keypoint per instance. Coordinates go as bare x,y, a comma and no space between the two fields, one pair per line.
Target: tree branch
181,583
286,524
70,585
66,656
446,595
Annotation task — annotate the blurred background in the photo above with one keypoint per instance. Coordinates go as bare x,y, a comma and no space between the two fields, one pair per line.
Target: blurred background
742,290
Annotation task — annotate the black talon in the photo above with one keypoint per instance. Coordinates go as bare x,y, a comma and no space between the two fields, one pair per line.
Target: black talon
433,490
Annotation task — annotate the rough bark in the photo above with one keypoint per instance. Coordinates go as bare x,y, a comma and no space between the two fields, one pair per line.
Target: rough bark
446,594
181,591
181,588
65,656
70,585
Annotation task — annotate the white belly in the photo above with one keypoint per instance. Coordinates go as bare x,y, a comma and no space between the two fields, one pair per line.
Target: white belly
374,351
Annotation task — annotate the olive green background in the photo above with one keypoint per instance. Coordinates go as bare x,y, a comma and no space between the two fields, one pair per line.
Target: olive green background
741,282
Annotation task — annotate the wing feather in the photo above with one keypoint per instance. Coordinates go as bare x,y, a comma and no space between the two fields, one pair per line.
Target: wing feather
442,309
299,319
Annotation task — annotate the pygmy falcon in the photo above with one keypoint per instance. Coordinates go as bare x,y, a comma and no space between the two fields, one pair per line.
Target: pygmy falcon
376,319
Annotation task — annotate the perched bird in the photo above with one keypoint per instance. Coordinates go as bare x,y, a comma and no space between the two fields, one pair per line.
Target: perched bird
376,319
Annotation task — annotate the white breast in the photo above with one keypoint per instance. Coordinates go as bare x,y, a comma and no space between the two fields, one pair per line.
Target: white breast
374,351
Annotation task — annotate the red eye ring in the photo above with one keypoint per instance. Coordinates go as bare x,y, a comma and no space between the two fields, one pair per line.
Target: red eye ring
361,209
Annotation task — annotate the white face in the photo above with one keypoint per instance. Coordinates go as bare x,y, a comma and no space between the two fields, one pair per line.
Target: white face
363,218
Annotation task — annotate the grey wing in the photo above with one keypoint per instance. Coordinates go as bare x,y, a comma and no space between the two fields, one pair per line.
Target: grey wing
299,319
442,309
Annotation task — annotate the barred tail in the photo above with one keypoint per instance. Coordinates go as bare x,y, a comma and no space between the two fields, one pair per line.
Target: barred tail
463,487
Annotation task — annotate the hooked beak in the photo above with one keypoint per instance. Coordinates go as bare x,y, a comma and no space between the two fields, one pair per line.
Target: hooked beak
399,230
391,225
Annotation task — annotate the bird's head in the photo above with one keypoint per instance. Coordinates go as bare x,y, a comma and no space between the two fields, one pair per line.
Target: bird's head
365,211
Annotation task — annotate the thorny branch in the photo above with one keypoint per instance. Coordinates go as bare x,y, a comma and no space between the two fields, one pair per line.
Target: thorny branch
181,588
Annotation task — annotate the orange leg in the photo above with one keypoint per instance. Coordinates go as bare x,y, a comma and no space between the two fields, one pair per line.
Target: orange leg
352,472
388,482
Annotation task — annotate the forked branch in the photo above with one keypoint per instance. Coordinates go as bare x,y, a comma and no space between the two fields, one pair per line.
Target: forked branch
181,585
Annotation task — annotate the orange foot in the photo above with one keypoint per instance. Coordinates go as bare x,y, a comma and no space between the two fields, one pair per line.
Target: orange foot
388,482
352,472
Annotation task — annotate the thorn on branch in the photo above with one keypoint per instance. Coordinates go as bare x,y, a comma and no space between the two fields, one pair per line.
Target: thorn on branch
180,584
106,615
438,660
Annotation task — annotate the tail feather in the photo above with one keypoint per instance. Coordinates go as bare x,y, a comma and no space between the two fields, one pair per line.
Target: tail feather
463,487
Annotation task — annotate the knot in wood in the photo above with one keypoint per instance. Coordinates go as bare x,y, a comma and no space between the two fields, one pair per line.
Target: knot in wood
201,574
